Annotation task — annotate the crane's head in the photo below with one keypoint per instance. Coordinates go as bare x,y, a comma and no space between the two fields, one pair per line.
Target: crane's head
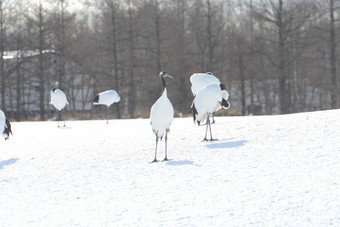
164,74
56,84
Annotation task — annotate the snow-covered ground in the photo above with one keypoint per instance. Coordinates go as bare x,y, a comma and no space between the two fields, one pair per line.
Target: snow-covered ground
263,171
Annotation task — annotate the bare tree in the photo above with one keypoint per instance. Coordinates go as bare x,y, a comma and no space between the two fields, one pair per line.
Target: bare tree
19,77
114,36
240,54
61,41
284,21
41,62
332,51
2,50
181,54
109,43
37,21
131,63
209,37
274,56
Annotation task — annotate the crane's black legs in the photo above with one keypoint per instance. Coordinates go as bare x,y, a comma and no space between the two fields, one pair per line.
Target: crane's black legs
166,146
155,160
213,119
107,115
57,116
206,131
211,139
62,112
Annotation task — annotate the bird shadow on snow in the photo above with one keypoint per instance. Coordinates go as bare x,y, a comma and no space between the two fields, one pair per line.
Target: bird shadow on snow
180,163
227,144
8,162
62,127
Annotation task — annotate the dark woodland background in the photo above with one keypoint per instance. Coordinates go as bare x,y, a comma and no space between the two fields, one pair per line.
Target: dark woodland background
274,56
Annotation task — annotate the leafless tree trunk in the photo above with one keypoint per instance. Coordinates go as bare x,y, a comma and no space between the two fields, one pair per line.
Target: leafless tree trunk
332,59
158,37
61,49
115,54
61,38
242,80
209,38
199,34
2,70
180,29
252,41
19,81
283,91
131,65
41,64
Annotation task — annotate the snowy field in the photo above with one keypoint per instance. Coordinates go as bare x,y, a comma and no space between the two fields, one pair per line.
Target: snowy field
262,171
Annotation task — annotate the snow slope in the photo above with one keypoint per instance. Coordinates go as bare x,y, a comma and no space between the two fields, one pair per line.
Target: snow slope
263,171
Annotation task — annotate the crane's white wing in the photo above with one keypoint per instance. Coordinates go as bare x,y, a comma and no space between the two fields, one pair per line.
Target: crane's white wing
206,100
58,99
200,80
107,98
161,115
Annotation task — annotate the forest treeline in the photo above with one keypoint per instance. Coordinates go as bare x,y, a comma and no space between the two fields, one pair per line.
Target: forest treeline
274,56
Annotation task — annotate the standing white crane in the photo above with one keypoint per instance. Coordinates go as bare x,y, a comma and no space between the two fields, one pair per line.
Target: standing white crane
200,80
106,98
5,126
58,99
205,103
161,115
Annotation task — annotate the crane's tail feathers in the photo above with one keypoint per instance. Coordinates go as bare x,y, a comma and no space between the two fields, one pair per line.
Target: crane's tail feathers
8,128
95,100
225,104
194,111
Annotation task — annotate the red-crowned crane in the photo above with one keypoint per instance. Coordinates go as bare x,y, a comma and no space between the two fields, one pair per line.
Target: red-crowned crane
161,115
5,126
58,99
106,98
205,103
200,80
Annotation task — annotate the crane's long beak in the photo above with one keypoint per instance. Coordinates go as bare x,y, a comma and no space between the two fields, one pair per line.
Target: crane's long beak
168,75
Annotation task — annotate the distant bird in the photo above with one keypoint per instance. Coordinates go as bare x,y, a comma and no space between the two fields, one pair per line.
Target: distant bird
161,115
200,80
205,103
58,99
106,98
5,126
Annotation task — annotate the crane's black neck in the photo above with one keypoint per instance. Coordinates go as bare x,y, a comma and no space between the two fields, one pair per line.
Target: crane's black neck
163,83
222,86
